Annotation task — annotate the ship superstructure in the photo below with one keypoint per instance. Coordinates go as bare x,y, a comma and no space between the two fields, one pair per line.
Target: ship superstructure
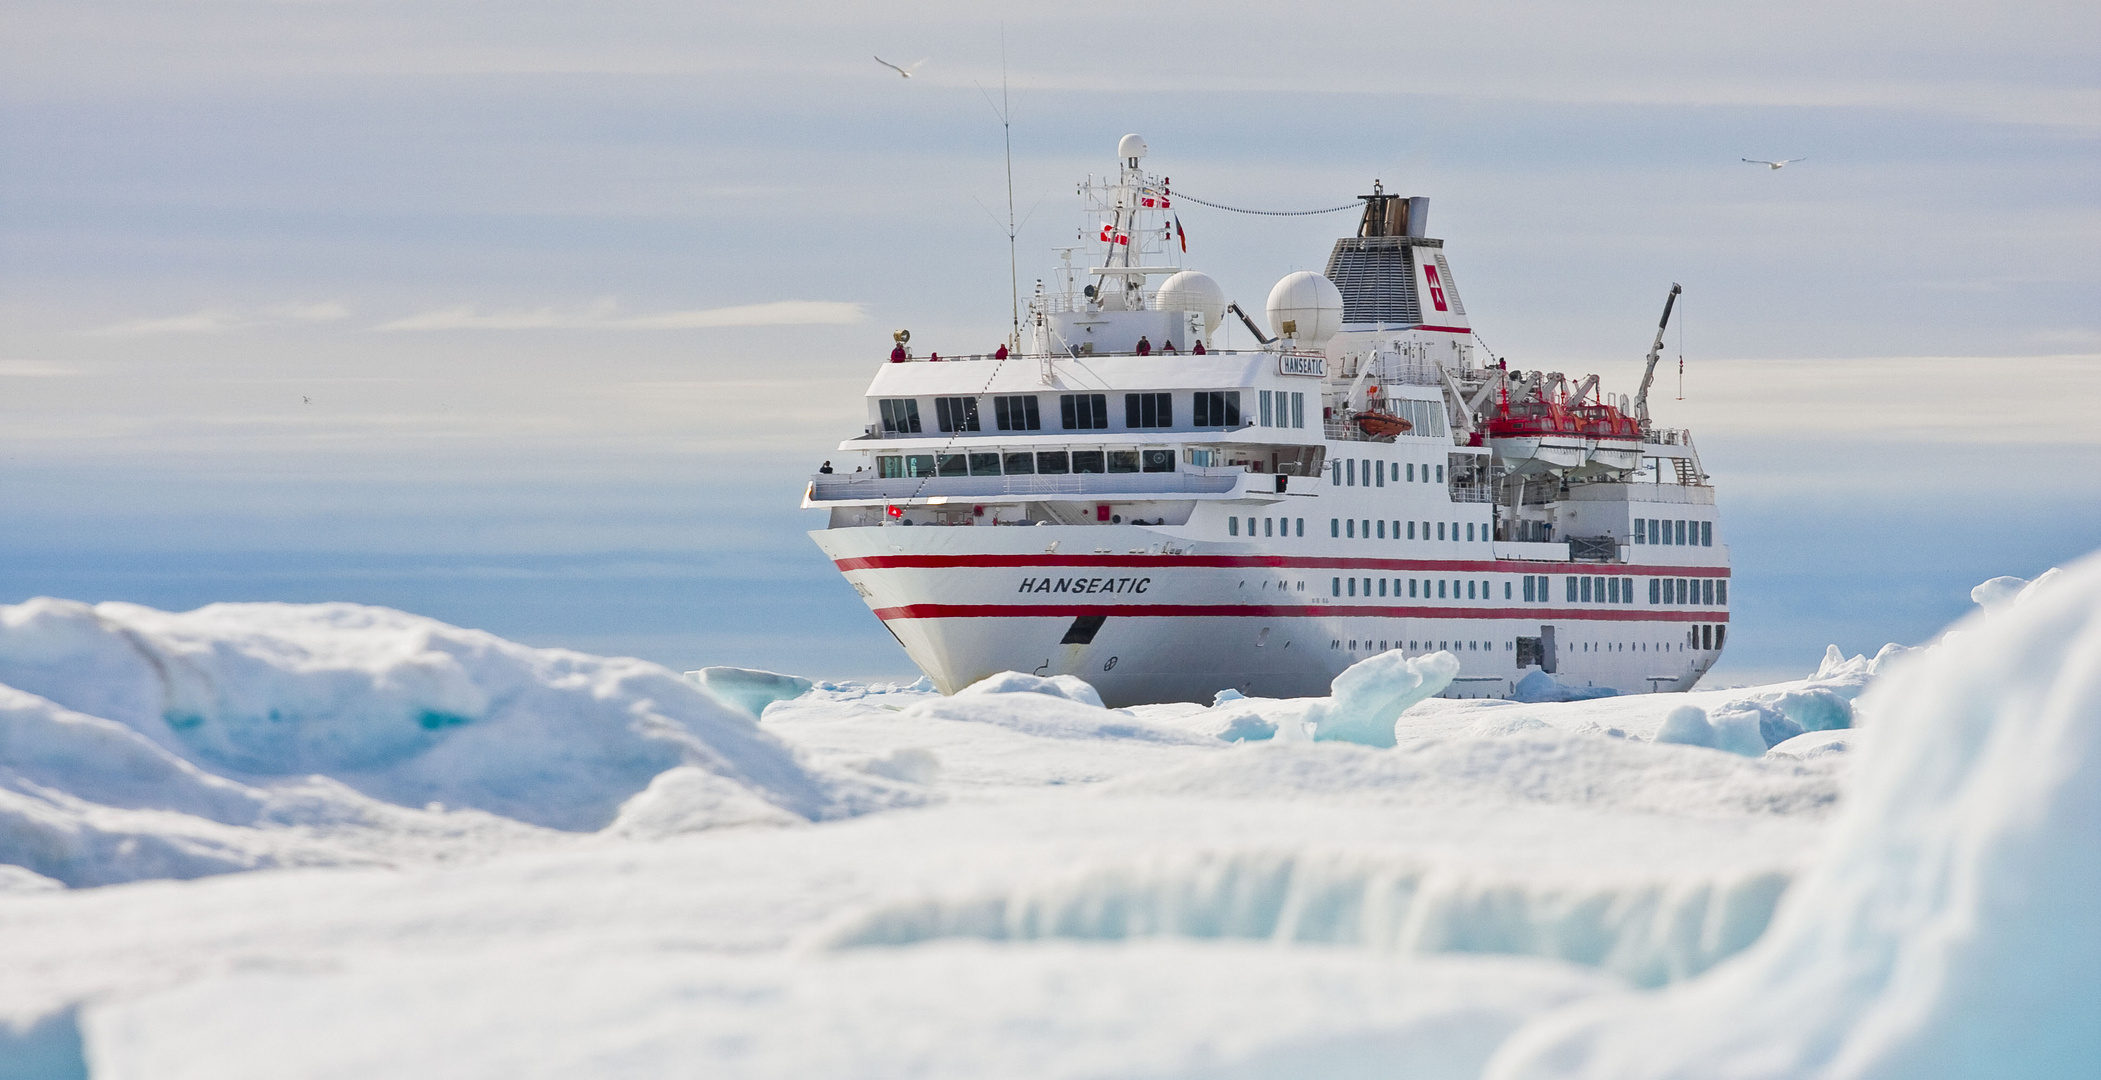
1115,497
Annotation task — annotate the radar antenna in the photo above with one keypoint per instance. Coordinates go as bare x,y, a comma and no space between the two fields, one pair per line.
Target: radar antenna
1648,375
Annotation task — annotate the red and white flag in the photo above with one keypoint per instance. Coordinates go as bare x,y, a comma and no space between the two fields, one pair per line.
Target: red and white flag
896,511
1180,235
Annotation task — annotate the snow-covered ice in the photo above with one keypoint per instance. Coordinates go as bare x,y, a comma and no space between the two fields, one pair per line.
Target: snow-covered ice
286,841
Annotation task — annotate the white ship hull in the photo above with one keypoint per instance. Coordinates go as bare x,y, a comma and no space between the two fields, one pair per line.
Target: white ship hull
969,602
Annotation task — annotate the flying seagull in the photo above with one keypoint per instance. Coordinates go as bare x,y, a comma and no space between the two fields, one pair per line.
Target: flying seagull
306,399
904,71
1780,164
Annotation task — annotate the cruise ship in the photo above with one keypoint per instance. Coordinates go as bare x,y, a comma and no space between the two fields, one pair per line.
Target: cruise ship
1116,496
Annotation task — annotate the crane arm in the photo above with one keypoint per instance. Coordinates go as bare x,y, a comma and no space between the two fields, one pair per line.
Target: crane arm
1648,375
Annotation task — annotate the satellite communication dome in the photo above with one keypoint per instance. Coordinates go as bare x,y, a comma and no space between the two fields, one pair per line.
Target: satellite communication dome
1309,301
1192,291
1131,147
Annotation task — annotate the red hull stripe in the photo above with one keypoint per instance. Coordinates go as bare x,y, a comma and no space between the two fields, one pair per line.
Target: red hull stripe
1286,611
1505,566
1446,329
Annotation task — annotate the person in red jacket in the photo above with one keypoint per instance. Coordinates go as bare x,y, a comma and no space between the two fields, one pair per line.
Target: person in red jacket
1001,354
1198,351
898,354
1145,347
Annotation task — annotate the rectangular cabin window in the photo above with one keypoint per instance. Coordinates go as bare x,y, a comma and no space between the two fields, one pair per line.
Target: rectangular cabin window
1083,412
1506,590
1572,590
1020,464
1411,587
1641,535
1440,588
1612,588
1335,586
1335,472
1396,530
1682,599
1123,461
1375,471
1528,588
1217,408
1158,460
1382,586
1707,592
1411,530
984,464
1719,633
1088,461
1269,527
1351,527
1411,472
1680,534
1655,589
889,466
1053,462
1440,530
1298,410
1469,530
1440,474
953,464
1302,532
1268,413
1721,591
1017,413
1148,410
1585,591
1353,592
1233,526
1335,527
1707,534
956,413
1469,590
900,415
1382,530
1626,590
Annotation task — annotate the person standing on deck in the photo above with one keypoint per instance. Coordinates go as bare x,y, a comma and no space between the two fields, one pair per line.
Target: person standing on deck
1145,347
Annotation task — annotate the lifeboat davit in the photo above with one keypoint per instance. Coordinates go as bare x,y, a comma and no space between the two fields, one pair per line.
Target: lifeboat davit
1380,425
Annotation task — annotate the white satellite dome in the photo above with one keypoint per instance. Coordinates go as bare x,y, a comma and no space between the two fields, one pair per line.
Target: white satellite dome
1309,301
1192,291
1131,147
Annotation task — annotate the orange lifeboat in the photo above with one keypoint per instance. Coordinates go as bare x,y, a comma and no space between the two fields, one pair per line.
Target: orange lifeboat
1380,425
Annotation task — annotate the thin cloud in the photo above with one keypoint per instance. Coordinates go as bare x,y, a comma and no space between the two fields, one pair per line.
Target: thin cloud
606,316
33,369
220,320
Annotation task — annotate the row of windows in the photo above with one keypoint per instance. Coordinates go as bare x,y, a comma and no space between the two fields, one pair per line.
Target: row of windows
1349,587
1281,408
1269,526
1352,528
1579,590
1090,412
1703,591
1343,472
1025,463
1683,533
1694,638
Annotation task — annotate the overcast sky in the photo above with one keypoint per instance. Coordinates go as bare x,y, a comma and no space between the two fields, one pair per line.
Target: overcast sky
534,316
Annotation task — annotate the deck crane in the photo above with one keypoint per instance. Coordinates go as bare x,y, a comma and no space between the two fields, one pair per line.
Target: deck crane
1648,375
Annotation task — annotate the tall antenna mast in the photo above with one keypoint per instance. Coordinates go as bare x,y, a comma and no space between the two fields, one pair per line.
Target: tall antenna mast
1006,123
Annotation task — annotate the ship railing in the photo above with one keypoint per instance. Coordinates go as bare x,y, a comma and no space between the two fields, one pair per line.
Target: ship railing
1593,549
1164,485
1470,493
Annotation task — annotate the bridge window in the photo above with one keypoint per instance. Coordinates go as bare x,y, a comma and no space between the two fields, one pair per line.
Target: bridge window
1088,461
1298,410
1017,413
1054,462
984,464
1081,412
1158,460
1217,408
1020,464
1123,461
953,464
1148,410
900,416
956,413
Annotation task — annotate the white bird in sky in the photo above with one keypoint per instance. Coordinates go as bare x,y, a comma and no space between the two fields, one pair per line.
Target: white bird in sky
1780,164
904,71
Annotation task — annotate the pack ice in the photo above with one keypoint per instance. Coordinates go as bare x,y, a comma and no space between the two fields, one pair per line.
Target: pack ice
465,857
